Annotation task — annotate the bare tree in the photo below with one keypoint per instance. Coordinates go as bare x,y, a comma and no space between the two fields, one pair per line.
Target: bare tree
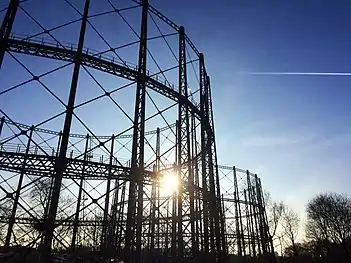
329,220
39,195
274,211
40,198
291,224
306,249
5,211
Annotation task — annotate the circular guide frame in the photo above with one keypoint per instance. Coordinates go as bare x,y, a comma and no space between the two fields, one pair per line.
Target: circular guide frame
64,188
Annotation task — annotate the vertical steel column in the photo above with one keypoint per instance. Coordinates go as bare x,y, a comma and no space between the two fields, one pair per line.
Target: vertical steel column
2,121
103,244
58,143
204,161
237,213
151,232
135,198
155,201
174,226
46,210
223,224
256,214
261,218
76,216
184,153
17,195
218,214
60,166
210,175
269,237
158,162
95,238
167,234
196,182
120,217
243,249
6,27
174,206
247,222
251,216
112,227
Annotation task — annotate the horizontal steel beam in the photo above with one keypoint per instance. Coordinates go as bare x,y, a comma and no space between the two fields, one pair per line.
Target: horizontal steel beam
99,62
43,165
82,136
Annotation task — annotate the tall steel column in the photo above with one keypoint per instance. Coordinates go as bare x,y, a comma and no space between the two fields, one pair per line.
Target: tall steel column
120,219
61,160
17,193
247,222
261,221
111,238
205,191
238,222
79,200
269,238
255,215
157,164
195,168
135,198
218,214
106,217
211,200
152,221
155,200
2,120
6,27
174,206
186,189
250,212
210,174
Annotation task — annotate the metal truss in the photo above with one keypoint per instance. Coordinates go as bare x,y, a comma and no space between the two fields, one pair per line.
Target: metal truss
244,220
6,27
245,217
96,61
68,191
135,201
42,165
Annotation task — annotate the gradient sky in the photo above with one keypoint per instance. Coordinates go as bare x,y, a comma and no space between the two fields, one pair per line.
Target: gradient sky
294,131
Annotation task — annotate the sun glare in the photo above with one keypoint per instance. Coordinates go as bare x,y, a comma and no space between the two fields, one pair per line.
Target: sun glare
169,184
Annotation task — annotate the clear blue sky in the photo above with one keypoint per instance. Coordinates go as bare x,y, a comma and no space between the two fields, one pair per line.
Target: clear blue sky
294,131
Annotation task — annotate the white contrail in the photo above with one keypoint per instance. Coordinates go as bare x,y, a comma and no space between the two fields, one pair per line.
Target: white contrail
298,73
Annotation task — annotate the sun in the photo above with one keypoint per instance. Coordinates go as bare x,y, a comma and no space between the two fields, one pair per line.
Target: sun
169,184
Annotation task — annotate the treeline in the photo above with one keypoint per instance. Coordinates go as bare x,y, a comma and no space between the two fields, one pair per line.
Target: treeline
327,229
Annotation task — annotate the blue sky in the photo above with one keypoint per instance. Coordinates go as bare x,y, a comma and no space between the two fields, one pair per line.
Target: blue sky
294,131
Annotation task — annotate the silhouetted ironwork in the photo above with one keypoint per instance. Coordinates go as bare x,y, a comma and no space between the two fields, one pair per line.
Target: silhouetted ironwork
72,192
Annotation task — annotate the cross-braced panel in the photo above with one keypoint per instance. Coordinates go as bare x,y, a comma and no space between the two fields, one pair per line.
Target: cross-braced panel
245,217
109,103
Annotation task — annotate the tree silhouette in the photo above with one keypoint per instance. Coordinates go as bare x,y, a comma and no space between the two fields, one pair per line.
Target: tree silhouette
291,223
303,249
5,211
329,220
39,198
274,210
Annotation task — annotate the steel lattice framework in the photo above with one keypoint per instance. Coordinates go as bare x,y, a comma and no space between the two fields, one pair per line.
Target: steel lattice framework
63,188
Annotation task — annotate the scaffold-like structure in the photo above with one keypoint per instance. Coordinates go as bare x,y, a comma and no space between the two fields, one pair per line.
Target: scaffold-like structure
148,190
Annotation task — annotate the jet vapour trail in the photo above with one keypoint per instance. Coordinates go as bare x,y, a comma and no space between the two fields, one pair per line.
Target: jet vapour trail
297,73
